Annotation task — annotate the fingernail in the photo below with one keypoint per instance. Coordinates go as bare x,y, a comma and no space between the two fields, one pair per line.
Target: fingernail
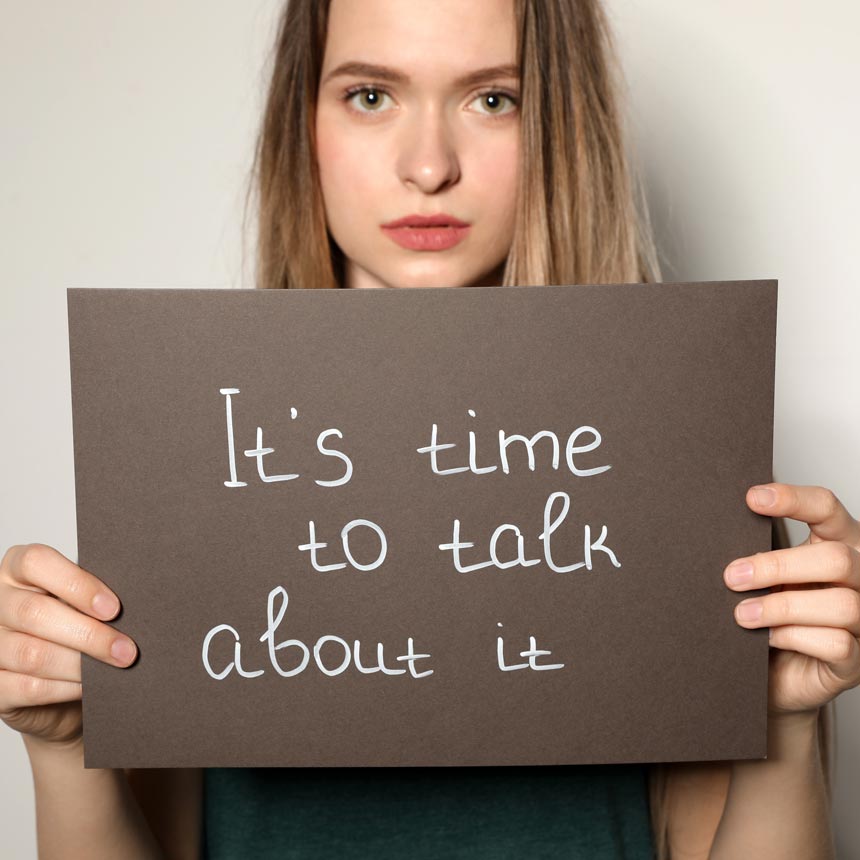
123,650
739,573
764,496
749,610
105,605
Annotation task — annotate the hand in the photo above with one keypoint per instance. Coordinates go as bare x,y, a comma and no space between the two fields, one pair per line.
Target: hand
47,619
813,610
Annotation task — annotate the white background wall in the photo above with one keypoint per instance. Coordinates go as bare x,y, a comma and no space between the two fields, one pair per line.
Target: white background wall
125,138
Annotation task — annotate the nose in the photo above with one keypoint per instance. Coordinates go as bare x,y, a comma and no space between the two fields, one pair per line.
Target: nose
428,154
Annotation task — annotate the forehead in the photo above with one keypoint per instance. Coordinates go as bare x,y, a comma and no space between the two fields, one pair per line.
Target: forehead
425,38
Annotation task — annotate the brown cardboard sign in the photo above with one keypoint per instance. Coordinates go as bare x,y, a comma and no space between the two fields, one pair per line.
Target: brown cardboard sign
478,526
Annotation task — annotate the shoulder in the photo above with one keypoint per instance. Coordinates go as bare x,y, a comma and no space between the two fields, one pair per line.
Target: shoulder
172,802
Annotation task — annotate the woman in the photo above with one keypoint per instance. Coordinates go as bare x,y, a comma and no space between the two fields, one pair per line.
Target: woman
529,157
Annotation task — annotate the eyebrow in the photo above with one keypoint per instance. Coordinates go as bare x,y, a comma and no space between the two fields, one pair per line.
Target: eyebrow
386,73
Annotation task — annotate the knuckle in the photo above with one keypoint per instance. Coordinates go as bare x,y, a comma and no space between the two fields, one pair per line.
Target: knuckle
30,559
848,605
854,607
783,606
770,565
842,557
10,554
29,610
842,646
31,687
86,635
74,585
30,657
830,501
796,636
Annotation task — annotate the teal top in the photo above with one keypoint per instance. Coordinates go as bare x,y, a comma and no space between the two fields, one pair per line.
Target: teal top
588,812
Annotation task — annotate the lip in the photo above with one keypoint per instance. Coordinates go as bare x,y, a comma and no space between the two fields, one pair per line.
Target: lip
441,219
427,232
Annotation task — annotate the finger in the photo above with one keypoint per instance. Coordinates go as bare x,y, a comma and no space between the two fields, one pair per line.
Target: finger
24,691
832,645
826,561
42,566
826,607
818,507
43,616
20,652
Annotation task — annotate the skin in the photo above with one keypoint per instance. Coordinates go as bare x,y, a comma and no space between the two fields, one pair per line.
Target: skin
814,610
47,619
432,150
424,145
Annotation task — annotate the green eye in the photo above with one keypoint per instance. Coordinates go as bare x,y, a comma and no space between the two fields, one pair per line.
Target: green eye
494,101
369,99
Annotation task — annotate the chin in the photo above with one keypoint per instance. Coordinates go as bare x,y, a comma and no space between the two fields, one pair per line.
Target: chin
430,276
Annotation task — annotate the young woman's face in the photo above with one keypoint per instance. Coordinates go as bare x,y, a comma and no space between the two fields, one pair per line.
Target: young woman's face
431,130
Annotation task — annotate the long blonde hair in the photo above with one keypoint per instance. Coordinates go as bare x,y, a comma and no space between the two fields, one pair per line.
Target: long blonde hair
581,213
580,216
